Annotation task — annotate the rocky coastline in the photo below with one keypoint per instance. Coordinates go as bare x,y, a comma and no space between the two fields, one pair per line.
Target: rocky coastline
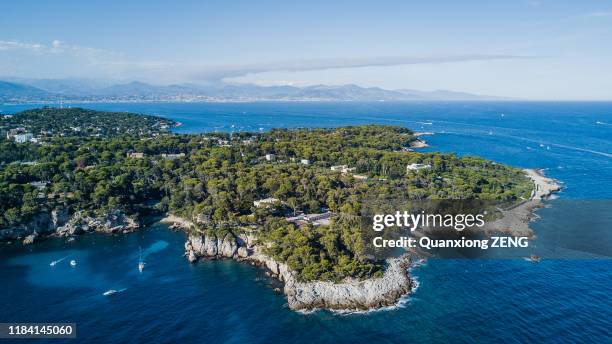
61,223
515,220
350,295
303,296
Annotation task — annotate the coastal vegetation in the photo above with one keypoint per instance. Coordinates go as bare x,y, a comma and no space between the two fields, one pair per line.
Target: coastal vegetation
131,163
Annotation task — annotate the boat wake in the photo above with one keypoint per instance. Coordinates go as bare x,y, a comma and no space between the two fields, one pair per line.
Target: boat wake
113,291
53,263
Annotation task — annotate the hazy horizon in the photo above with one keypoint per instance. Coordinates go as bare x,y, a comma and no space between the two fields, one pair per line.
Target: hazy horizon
527,50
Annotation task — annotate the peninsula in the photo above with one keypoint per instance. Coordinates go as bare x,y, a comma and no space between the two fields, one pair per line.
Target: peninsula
288,200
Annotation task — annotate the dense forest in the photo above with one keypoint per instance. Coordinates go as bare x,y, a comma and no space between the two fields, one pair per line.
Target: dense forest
52,122
213,179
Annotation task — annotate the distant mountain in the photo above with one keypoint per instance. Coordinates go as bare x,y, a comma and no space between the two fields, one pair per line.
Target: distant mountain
90,90
68,86
447,95
11,91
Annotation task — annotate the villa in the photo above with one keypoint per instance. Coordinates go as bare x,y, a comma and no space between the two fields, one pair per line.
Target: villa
39,185
416,167
315,219
266,202
343,168
173,156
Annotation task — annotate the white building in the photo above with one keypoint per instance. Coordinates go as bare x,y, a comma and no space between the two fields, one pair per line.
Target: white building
416,167
265,202
173,156
315,219
22,138
343,168
305,162
270,157
39,185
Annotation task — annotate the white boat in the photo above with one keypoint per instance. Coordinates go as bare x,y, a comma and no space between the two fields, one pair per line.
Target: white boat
141,263
73,263
109,292
112,292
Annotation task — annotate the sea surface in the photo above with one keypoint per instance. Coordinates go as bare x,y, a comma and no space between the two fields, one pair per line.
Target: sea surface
566,298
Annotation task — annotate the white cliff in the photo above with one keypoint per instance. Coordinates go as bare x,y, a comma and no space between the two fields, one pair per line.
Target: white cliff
346,296
60,222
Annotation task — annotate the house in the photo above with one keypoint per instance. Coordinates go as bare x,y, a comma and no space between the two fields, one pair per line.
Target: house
270,157
360,177
343,168
135,155
315,219
416,167
265,202
305,162
173,156
39,185
22,138
13,132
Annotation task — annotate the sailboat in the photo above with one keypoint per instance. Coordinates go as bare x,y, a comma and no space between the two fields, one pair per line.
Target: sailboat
141,263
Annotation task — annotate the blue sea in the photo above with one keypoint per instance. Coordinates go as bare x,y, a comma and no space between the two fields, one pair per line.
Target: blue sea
564,299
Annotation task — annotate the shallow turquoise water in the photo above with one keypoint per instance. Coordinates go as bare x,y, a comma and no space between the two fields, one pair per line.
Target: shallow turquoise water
558,300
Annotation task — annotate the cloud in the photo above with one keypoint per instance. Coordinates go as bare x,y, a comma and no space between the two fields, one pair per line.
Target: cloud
222,72
73,59
17,45
56,47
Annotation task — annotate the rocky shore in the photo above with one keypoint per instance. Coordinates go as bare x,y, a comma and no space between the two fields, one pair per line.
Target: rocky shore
347,296
516,219
418,143
59,222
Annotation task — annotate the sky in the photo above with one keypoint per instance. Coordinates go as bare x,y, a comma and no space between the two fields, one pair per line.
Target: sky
532,49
